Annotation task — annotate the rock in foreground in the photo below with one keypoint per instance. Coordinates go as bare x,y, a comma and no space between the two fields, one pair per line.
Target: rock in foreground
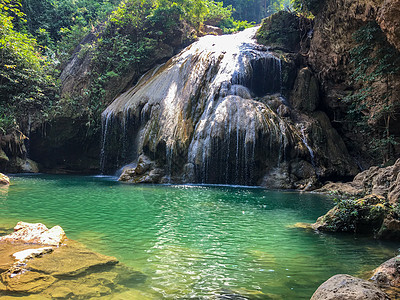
387,277
35,234
346,287
4,180
62,271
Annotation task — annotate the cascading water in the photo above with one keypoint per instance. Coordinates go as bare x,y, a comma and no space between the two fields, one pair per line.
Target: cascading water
199,115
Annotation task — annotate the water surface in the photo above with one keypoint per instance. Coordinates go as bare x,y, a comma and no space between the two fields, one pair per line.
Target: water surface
193,241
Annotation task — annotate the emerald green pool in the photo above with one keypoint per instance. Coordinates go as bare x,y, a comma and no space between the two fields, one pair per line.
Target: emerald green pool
192,241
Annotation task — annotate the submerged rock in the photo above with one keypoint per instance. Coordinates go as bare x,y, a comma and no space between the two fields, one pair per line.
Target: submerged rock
35,234
71,259
346,287
4,180
66,271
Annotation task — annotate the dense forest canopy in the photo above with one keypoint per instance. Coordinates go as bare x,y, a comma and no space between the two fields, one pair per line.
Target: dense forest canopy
37,37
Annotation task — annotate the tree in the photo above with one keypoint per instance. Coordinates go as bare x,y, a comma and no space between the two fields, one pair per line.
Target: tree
25,86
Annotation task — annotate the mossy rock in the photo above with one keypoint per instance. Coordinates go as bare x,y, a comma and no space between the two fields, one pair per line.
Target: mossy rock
281,30
365,215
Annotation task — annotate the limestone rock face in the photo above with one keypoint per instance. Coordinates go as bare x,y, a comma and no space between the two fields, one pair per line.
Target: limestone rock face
329,57
216,114
35,234
389,20
346,287
305,95
4,180
282,30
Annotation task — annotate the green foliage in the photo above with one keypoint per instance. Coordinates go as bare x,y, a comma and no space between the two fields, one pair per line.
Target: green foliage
59,25
230,25
346,216
307,7
363,215
26,85
376,65
217,13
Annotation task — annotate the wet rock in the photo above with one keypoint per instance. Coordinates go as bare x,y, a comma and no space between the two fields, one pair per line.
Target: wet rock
35,234
27,282
24,255
7,250
346,287
4,180
145,171
278,178
67,271
70,260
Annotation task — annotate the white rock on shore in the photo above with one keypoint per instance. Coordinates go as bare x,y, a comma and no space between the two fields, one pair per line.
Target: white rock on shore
36,233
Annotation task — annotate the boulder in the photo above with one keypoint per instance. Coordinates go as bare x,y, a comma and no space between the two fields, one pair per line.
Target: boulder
4,180
365,215
35,234
346,287
208,29
69,271
145,171
388,273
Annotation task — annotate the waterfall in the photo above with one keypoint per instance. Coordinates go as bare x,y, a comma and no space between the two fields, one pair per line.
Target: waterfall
105,120
310,150
201,111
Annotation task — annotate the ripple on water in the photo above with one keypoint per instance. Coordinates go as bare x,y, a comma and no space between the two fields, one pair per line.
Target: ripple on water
195,241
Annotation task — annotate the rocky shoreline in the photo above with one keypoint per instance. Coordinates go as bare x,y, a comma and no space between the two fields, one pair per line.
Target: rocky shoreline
35,260
368,204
